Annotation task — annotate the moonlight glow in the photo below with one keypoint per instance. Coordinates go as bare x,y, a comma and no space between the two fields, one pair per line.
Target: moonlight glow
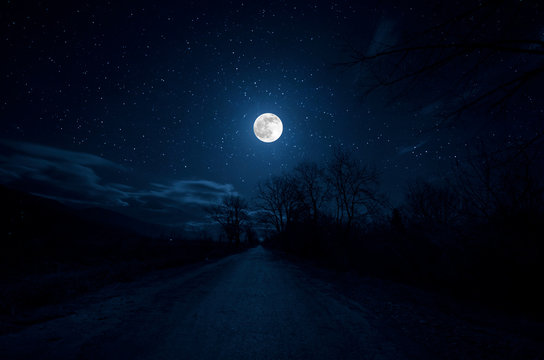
268,127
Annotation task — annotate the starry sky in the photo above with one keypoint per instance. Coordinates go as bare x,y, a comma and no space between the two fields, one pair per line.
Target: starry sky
149,109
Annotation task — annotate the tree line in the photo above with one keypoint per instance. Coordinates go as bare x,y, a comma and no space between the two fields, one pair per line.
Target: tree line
475,232
478,230
343,192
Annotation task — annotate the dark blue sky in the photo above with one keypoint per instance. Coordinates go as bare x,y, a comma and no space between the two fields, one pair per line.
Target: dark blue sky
141,106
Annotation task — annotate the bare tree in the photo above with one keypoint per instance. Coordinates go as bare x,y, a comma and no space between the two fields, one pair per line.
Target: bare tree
487,51
279,198
353,187
505,182
312,186
231,214
431,204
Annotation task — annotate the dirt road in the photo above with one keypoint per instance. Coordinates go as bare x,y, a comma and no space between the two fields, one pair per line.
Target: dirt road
253,305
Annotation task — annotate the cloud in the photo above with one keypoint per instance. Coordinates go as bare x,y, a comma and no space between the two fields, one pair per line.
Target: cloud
48,152
383,37
431,108
85,179
406,149
176,203
193,191
64,175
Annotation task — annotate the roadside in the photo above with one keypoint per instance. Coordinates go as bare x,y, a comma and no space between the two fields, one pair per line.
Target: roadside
448,328
32,299
262,304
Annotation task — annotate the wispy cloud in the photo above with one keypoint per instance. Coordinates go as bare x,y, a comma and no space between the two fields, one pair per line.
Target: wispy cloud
406,149
82,178
193,191
56,173
383,37
55,154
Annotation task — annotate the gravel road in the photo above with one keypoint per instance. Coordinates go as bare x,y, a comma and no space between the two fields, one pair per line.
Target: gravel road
253,305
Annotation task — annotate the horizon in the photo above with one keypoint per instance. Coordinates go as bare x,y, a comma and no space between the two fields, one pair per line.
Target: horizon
162,116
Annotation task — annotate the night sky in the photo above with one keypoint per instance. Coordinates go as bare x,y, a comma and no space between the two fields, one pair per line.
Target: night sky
149,109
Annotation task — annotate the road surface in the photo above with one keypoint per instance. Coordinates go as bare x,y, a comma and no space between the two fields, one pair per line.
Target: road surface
253,305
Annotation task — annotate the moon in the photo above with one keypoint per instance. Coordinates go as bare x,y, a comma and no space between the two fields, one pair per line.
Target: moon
268,127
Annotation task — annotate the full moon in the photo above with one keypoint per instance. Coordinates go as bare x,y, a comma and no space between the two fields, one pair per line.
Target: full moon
268,128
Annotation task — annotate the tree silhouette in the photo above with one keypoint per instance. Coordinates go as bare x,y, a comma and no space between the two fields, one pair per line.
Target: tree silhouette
312,187
279,198
353,187
486,51
500,184
396,221
231,214
432,205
